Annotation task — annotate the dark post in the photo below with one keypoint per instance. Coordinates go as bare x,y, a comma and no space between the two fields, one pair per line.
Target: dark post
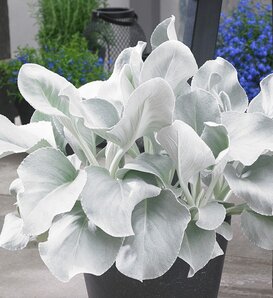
206,29
4,30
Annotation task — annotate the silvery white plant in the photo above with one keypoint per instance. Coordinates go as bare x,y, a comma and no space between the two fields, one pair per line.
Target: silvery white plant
116,205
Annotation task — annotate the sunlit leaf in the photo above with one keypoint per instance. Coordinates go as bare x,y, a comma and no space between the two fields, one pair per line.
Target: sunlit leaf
172,61
150,107
254,184
109,203
258,229
163,31
263,101
51,187
40,87
159,224
24,138
77,246
205,219
250,135
12,236
196,108
197,247
188,151
220,78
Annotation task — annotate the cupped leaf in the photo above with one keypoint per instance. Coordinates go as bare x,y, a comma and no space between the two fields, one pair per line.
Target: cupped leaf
220,78
172,61
109,203
110,89
188,151
258,229
197,247
163,31
196,108
159,224
150,107
159,165
254,184
24,138
263,101
216,137
12,236
131,56
51,187
77,246
40,87
211,216
225,230
250,135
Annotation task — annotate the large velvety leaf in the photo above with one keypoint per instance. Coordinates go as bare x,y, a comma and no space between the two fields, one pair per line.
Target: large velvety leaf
150,107
220,78
263,101
258,229
109,202
254,184
196,108
12,236
159,224
250,135
51,187
24,138
211,216
40,87
156,164
163,32
197,247
77,246
172,61
188,151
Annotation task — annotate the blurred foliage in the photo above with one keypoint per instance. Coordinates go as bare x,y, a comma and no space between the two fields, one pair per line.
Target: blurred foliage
60,19
71,60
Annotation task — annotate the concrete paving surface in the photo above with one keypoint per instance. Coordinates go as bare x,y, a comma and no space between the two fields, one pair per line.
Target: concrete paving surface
247,270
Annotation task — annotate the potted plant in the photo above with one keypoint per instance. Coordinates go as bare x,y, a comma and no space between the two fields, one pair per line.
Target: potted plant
94,209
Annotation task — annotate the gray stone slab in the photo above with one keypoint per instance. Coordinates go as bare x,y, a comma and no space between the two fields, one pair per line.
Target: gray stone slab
23,275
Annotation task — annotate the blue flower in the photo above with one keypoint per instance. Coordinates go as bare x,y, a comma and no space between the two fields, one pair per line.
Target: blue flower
245,40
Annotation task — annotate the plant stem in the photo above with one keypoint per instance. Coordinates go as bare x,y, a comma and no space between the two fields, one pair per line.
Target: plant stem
186,191
236,210
115,162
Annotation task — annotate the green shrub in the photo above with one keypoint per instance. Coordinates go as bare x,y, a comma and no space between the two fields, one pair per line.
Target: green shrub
72,60
60,19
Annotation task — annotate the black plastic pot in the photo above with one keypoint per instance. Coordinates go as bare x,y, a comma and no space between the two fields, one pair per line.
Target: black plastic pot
25,111
173,284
